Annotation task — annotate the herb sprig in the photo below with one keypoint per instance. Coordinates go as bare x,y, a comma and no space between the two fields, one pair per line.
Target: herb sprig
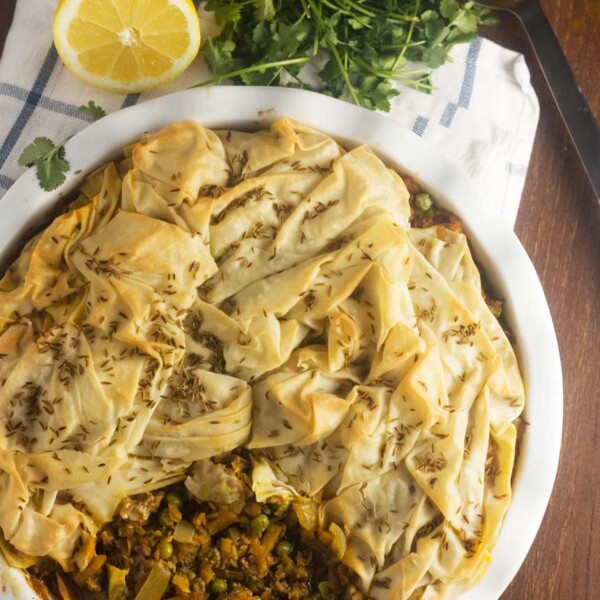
49,158
358,47
93,110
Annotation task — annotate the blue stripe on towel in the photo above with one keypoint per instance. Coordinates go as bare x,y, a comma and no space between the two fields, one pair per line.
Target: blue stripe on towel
57,106
448,114
6,182
31,102
14,91
130,100
466,89
420,125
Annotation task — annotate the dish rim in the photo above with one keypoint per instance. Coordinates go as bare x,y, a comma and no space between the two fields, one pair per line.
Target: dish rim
496,248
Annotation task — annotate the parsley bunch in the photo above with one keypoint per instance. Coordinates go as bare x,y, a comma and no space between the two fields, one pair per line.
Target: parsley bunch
358,48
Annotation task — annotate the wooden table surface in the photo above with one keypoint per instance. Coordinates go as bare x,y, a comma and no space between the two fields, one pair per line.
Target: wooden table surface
559,225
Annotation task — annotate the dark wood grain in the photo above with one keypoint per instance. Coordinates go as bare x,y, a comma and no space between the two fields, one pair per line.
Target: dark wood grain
7,8
559,225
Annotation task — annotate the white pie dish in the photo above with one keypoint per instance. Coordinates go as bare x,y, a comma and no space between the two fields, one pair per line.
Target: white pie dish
495,246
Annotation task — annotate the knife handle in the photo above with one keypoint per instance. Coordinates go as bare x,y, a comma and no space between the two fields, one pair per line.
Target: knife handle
569,98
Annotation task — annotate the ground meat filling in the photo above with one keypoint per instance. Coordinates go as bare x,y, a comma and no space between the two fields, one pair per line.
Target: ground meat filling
246,552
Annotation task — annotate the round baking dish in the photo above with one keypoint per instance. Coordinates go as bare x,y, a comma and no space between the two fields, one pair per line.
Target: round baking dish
494,244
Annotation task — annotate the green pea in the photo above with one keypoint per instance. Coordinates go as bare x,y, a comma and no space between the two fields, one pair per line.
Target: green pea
259,523
164,518
284,548
423,202
218,586
174,498
165,550
281,510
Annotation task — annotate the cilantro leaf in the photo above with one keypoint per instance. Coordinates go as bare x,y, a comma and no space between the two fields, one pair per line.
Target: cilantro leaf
93,110
466,22
434,28
287,40
377,94
435,57
429,15
264,10
51,169
49,161
261,34
225,12
36,151
219,56
449,8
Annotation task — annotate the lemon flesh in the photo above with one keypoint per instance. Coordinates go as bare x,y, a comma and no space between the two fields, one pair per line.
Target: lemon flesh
126,45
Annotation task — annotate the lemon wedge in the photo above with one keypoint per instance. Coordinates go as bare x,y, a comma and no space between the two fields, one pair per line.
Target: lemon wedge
126,45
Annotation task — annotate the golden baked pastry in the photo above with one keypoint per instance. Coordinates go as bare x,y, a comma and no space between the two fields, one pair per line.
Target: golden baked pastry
221,289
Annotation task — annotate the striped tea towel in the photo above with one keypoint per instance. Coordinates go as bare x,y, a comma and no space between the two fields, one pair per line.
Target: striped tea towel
482,114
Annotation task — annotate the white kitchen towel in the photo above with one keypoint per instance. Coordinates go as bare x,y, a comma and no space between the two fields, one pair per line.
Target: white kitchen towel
482,114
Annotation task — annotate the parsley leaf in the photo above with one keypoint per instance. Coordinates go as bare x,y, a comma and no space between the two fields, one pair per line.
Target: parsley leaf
49,161
93,110
226,13
36,151
435,57
449,8
358,47
51,169
264,10
219,56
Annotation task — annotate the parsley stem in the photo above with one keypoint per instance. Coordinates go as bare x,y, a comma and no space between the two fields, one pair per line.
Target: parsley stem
306,8
339,8
408,36
345,75
317,14
390,74
375,10
357,7
300,60
403,45
417,84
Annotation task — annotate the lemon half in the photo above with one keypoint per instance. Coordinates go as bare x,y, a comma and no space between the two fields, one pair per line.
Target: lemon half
126,45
